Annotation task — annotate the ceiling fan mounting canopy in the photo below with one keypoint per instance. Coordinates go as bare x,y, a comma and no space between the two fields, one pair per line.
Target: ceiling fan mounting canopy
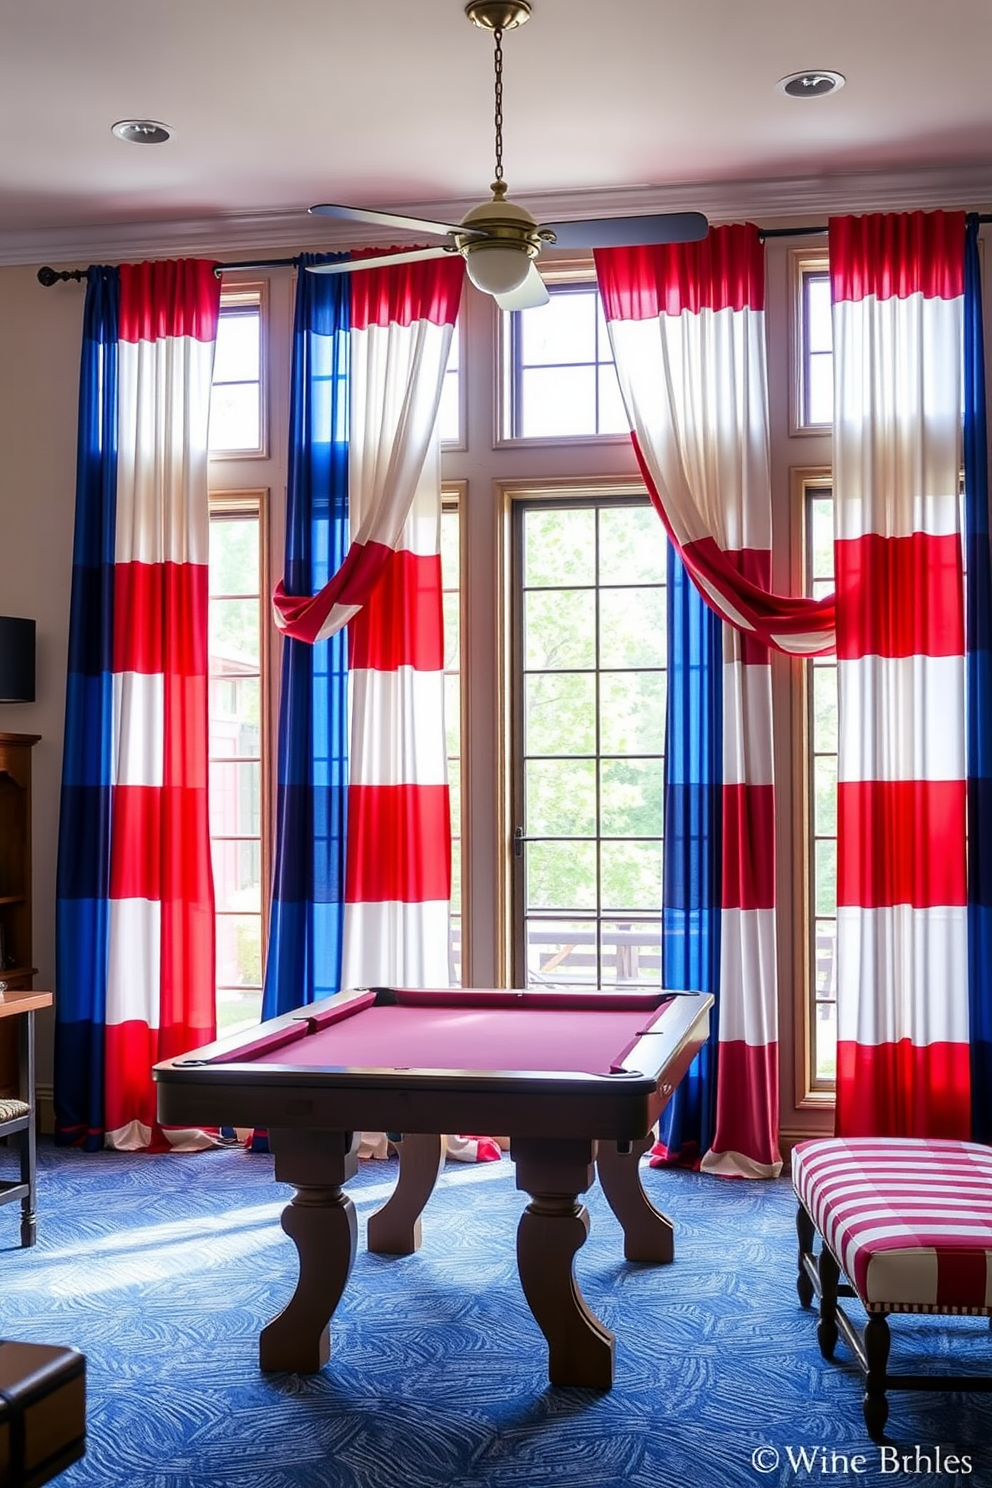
498,15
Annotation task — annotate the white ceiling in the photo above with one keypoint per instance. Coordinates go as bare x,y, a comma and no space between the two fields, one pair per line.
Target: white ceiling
642,103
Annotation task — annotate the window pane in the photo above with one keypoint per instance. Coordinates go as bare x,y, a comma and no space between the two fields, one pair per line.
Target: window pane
560,714
612,414
237,874
239,950
451,605
633,548
632,626
826,960
235,717
452,714
632,797
825,796
819,329
558,402
820,390
236,357
825,1041
825,708
632,712
234,637
631,953
561,953
560,547
235,417
560,798
449,412
234,555
825,876
562,331
561,875
630,875
559,629
821,525
235,799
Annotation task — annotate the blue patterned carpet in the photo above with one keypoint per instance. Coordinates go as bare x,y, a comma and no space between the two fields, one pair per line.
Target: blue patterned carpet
163,1270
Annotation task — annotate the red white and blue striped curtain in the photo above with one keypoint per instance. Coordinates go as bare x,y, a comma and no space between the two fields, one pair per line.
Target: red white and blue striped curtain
902,916
388,592
135,913
686,325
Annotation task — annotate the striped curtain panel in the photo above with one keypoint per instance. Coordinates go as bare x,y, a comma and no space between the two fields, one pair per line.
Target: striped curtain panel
135,912
692,868
306,924
902,917
686,325
398,848
978,692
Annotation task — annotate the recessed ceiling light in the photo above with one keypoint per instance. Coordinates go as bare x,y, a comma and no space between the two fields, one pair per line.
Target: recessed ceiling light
142,131
813,84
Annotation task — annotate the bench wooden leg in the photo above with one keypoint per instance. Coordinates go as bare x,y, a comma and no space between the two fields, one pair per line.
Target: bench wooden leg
806,1231
826,1329
876,1344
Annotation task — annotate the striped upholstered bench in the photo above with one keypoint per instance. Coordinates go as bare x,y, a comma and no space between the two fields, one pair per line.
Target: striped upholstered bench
908,1223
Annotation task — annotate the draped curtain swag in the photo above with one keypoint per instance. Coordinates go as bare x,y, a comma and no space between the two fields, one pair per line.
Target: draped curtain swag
686,324
373,392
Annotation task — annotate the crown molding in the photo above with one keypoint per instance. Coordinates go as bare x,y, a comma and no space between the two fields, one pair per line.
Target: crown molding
284,232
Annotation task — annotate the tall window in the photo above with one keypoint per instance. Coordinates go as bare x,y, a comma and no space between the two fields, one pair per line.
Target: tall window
451,582
237,786
821,725
590,650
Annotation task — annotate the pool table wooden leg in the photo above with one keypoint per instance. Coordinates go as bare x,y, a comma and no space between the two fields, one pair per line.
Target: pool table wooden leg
648,1235
552,1228
321,1222
395,1228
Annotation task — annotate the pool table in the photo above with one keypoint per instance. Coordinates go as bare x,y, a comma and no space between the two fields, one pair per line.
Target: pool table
576,1080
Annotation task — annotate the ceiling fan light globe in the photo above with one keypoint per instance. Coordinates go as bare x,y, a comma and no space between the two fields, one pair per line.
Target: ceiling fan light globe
497,268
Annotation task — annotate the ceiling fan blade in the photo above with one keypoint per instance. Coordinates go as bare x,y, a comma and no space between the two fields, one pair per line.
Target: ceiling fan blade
630,232
384,219
379,260
528,296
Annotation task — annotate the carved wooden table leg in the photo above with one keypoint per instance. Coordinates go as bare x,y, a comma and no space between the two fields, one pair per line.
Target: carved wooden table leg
395,1228
648,1235
321,1222
552,1228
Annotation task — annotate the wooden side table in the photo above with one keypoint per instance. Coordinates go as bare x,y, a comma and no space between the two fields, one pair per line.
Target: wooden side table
18,1116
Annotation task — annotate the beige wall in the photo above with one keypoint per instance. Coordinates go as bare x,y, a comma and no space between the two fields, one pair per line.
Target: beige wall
40,339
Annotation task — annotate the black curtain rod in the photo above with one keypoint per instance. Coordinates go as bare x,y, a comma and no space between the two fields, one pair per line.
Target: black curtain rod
48,277
809,232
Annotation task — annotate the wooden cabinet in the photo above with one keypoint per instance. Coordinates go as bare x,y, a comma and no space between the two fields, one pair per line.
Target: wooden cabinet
16,951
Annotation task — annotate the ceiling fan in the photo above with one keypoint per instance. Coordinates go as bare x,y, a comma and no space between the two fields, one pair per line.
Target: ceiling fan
499,240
